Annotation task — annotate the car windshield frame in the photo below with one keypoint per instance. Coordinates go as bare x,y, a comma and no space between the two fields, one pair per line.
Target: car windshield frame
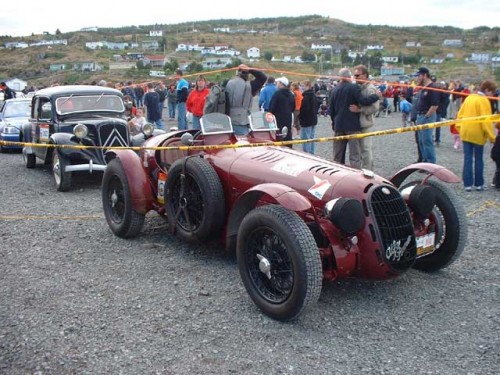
216,123
89,103
262,122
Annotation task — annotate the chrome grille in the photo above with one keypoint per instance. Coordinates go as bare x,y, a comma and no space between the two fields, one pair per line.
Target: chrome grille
112,135
394,227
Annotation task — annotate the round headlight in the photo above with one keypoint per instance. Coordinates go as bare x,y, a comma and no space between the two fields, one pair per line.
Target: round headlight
148,129
80,131
346,214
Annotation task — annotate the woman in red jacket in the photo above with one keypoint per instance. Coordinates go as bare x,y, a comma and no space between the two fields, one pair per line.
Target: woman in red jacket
196,100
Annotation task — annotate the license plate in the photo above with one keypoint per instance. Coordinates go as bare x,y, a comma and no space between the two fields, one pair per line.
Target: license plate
425,244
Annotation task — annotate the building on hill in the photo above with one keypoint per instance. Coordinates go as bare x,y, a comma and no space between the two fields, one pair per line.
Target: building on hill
253,53
453,43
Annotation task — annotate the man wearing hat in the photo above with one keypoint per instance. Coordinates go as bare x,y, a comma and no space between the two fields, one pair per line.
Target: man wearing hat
240,91
427,106
282,106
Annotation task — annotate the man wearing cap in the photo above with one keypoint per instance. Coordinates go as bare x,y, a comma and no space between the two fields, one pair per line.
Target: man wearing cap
282,106
345,122
240,92
427,106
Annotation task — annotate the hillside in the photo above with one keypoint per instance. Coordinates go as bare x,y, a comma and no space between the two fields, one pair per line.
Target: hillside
273,36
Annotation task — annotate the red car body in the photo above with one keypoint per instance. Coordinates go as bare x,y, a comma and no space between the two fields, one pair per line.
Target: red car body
314,219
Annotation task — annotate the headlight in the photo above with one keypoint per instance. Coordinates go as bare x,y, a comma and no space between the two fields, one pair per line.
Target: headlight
346,214
148,129
80,131
10,130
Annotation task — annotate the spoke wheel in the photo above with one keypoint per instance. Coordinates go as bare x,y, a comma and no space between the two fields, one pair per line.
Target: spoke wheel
194,199
279,262
117,202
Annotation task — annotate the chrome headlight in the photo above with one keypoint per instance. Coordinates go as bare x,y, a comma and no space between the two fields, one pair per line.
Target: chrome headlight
148,129
346,214
10,130
80,131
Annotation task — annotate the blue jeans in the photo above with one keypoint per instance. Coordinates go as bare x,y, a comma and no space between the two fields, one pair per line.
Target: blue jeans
425,139
171,109
159,124
181,116
473,151
308,132
196,122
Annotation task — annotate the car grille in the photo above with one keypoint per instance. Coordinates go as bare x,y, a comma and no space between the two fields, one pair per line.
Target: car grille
112,135
395,228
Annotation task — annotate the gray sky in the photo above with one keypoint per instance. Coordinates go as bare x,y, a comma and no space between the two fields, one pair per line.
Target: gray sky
22,18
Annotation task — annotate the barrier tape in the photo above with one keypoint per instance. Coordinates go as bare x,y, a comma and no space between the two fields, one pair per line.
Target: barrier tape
483,207
477,119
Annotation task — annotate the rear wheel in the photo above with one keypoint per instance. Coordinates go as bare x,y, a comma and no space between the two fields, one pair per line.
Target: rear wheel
61,177
117,202
279,262
194,199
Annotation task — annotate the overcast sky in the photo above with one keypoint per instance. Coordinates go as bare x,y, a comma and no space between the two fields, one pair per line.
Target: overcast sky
22,18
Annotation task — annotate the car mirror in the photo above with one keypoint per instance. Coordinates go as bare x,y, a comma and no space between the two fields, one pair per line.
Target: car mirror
187,139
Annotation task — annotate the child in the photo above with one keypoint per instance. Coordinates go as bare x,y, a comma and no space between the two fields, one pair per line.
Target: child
456,137
405,108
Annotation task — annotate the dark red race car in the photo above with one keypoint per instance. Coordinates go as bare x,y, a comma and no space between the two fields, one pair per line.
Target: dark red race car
293,219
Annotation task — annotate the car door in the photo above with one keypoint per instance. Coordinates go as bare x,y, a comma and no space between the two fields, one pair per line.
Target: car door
42,125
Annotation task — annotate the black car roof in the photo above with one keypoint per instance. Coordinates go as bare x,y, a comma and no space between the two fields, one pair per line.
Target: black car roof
77,90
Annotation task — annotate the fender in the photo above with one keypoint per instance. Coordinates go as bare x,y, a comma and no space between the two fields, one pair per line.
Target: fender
438,171
282,194
138,182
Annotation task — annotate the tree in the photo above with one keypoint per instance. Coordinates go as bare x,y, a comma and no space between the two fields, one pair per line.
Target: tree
268,56
344,57
58,32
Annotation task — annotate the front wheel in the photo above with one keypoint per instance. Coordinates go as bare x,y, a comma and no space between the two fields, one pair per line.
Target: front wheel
61,177
117,202
450,222
279,262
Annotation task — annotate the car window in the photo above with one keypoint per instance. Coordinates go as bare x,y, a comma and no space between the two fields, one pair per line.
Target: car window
17,109
89,103
45,111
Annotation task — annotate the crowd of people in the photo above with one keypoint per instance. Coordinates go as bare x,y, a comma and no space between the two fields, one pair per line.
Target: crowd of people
351,102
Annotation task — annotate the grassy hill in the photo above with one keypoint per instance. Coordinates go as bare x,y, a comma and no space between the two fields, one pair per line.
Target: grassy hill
290,36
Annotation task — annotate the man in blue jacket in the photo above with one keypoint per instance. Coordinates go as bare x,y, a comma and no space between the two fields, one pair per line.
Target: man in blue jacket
345,122
267,93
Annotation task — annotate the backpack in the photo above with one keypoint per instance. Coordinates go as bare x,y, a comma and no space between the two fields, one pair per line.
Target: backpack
217,101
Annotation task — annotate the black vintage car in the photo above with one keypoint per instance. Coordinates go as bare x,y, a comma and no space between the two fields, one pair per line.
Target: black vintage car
77,116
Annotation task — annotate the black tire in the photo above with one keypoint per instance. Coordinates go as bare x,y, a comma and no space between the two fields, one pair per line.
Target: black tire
279,262
194,199
117,202
29,160
450,220
61,178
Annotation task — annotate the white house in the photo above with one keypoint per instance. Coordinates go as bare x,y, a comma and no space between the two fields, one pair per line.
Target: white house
390,59
16,45
321,46
453,43
155,32
413,45
95,45
253,53
16,84
437,61
375,47
480,57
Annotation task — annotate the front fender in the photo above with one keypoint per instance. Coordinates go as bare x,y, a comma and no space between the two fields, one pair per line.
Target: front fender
438,171
138,182
281,194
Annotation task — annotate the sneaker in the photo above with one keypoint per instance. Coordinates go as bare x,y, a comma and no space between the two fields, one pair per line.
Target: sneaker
481,188
468,188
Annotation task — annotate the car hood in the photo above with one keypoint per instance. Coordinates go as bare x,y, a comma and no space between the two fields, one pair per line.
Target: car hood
316,178
16,122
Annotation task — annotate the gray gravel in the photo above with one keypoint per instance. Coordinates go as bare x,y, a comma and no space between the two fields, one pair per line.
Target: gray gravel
75,299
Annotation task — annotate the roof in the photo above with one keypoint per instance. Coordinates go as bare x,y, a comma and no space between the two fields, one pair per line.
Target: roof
77,89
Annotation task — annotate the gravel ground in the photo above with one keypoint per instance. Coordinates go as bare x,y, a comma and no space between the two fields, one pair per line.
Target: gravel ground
75,299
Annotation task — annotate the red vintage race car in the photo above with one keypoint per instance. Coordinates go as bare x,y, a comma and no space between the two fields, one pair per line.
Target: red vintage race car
294,219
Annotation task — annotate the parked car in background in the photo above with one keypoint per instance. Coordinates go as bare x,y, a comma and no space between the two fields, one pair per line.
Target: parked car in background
14,113
86,121
293,219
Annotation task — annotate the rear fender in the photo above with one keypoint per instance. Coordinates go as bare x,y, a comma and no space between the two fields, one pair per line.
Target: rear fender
280,194
138,182
438,171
